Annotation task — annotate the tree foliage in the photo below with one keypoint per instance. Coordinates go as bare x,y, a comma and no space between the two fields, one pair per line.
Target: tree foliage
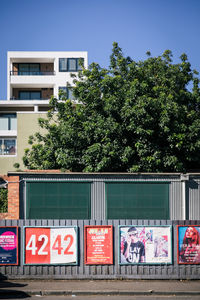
3,200
132,117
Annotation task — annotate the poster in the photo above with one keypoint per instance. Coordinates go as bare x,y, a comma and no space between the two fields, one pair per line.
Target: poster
145,245
188,244
98,245
50,245
9,245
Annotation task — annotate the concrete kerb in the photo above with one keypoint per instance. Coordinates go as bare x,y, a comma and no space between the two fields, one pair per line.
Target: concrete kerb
97,292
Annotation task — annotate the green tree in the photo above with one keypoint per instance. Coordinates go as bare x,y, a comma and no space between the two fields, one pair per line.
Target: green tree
131,117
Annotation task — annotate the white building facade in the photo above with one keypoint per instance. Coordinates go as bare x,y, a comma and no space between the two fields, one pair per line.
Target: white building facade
36,75
32,78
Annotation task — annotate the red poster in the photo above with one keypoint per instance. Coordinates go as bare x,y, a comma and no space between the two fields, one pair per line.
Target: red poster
50,245
98,245
37,245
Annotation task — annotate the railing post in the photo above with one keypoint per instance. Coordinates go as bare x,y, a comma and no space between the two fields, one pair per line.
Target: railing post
184,178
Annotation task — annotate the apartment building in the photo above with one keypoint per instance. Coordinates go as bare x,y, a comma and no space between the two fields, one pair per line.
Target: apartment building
32,78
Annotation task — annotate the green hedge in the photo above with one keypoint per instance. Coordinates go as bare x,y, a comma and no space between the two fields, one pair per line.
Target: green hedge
3,200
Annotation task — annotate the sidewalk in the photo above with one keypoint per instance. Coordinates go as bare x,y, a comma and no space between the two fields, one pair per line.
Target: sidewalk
100,287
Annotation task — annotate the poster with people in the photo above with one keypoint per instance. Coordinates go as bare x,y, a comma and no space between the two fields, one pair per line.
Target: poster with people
188,244
145,244
9,245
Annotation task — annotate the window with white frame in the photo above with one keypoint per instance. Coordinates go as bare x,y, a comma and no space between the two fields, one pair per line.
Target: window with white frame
8,121
7,146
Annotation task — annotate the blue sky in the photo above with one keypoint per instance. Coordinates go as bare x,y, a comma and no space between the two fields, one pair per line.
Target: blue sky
93,25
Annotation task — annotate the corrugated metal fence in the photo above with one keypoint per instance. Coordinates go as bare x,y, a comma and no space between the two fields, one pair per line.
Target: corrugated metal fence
173,271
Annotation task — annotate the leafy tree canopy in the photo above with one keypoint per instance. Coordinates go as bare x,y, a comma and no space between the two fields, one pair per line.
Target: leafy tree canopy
131,117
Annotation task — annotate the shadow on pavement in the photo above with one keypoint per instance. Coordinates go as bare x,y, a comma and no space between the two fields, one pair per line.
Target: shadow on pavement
7,284
11,294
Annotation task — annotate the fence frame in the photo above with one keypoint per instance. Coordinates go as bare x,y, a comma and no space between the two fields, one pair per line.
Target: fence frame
115,271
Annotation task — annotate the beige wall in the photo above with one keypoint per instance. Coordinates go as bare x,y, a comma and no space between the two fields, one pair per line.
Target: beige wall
27,125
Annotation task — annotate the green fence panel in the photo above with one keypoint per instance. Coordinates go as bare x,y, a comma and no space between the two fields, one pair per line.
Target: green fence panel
137,200
58,200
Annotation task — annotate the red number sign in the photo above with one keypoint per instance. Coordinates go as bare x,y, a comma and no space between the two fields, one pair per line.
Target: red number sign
50,245
98,245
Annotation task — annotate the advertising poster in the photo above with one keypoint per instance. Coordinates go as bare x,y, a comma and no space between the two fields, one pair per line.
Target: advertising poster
188,244
8,245
50,245
145,245
98,245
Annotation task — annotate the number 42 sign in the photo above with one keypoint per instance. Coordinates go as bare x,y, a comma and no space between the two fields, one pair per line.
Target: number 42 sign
50,245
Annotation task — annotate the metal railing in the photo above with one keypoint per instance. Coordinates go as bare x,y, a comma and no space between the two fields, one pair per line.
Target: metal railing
32,73
18,99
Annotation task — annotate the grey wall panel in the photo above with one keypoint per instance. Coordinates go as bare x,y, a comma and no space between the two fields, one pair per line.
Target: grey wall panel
114,271
175,200
193,195
98,201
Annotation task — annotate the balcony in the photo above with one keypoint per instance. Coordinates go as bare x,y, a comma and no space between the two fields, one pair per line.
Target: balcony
32,69
28,99
32,94
32,73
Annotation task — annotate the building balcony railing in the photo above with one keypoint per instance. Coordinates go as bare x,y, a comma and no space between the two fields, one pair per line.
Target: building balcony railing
18,99
32,73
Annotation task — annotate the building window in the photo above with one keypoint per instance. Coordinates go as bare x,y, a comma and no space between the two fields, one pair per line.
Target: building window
80,63
29,69
62,64
8,122
7,146
66,93
70,64
29,95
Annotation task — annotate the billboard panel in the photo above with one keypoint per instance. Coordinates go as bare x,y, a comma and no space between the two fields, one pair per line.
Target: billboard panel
98,241
9,245
50,245
145,245
188,244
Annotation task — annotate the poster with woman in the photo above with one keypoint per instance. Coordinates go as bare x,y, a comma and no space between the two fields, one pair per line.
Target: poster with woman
188,244
145,245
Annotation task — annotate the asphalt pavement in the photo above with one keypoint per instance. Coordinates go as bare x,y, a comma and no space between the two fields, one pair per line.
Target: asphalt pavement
101,287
